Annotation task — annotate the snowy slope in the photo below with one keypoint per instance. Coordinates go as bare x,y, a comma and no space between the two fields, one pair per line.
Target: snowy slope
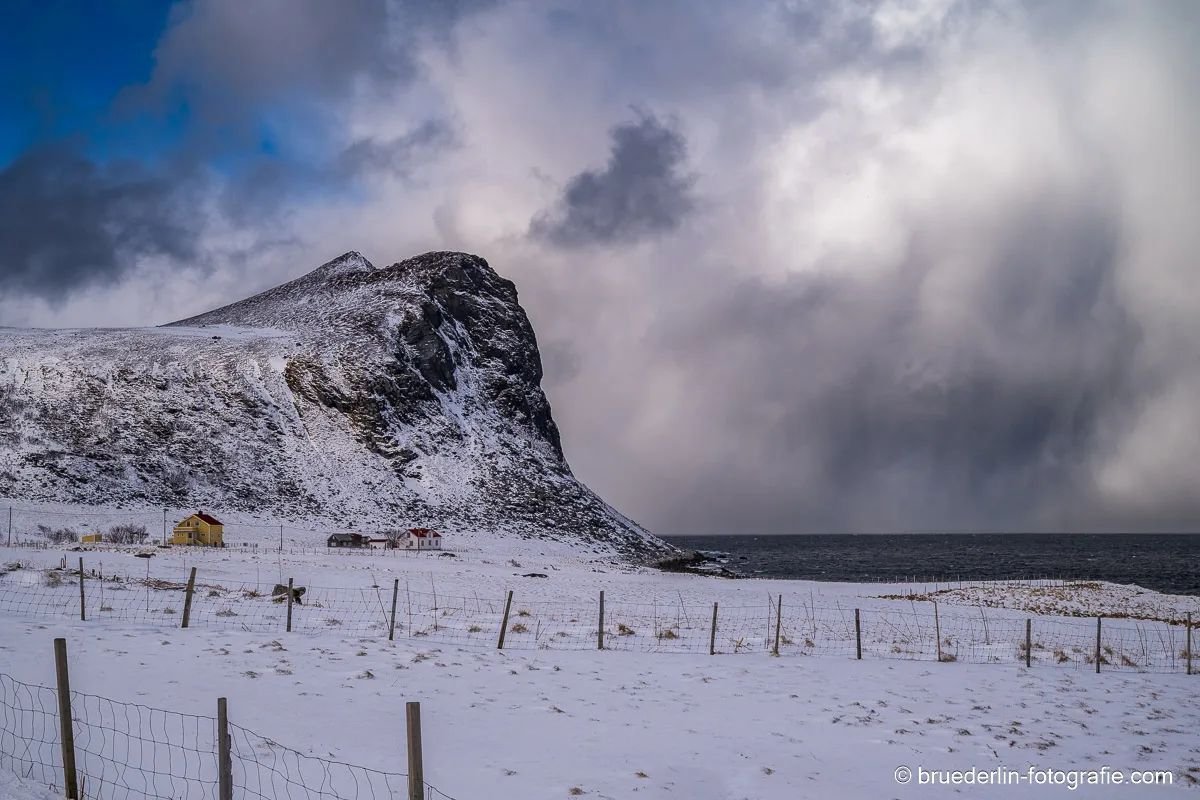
355,395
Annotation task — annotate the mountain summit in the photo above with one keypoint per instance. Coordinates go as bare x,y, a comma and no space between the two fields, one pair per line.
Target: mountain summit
354,394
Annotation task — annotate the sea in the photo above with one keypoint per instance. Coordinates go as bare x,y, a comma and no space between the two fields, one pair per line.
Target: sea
1164,562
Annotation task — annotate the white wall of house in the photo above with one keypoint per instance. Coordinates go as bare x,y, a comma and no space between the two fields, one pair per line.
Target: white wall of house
410,542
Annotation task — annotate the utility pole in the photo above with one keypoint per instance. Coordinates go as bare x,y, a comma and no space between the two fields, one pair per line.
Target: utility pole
281,538
10,526
164,526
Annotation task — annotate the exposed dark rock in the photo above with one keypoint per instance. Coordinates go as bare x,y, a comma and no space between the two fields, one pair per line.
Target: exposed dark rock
696,563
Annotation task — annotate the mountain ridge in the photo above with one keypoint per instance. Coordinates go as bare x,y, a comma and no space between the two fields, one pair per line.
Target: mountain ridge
351,392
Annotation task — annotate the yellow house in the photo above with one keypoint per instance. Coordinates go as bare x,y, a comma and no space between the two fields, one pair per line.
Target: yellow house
91,538
199,529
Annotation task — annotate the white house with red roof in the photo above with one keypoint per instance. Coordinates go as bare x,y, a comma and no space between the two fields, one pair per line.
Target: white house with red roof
421,539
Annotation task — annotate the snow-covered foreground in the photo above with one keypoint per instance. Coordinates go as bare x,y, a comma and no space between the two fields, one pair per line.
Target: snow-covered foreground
542,719
539,724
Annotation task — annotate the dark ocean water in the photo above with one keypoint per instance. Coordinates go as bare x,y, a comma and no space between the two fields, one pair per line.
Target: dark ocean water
1164,562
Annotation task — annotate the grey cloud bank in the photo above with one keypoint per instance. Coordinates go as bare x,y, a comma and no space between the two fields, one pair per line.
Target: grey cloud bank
66,222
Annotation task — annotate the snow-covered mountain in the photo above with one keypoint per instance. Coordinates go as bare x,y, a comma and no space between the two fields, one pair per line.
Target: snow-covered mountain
354,394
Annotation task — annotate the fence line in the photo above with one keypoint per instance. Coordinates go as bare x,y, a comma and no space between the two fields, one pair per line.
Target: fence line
127,750
784,626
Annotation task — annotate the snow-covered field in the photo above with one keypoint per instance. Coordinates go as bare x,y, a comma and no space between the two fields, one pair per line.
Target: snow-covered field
654,715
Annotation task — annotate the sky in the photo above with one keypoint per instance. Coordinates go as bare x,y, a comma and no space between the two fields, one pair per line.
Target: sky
794,266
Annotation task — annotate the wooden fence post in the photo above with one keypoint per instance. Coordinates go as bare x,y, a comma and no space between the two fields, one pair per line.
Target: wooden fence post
66,729
504,621
416,770
1028,642
187,600
224,756
600,629
712,637
778,622
937,630
82,604
1189,643
289,613
392,623
1098,621
858,634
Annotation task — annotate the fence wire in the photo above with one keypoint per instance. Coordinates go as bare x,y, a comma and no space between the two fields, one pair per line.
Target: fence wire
265,769
29,740
124,750
127,750
901,630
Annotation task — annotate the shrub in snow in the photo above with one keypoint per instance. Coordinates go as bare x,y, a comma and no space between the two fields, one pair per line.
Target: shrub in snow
127,534
57,535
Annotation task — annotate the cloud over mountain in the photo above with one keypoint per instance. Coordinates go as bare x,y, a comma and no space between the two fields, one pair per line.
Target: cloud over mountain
880,265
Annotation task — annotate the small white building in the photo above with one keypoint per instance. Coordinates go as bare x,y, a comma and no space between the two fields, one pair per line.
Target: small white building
420,539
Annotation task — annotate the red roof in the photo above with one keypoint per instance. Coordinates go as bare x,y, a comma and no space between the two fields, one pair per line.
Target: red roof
210,519
422,533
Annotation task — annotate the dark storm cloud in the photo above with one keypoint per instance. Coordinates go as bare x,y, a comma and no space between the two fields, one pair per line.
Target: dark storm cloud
832,405
644,190
67,223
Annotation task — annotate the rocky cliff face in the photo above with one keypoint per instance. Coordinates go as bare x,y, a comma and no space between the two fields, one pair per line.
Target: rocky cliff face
354,394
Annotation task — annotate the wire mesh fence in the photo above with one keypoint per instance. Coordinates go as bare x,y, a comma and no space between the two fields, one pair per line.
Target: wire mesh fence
788,626
29,740
265,769
126,750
